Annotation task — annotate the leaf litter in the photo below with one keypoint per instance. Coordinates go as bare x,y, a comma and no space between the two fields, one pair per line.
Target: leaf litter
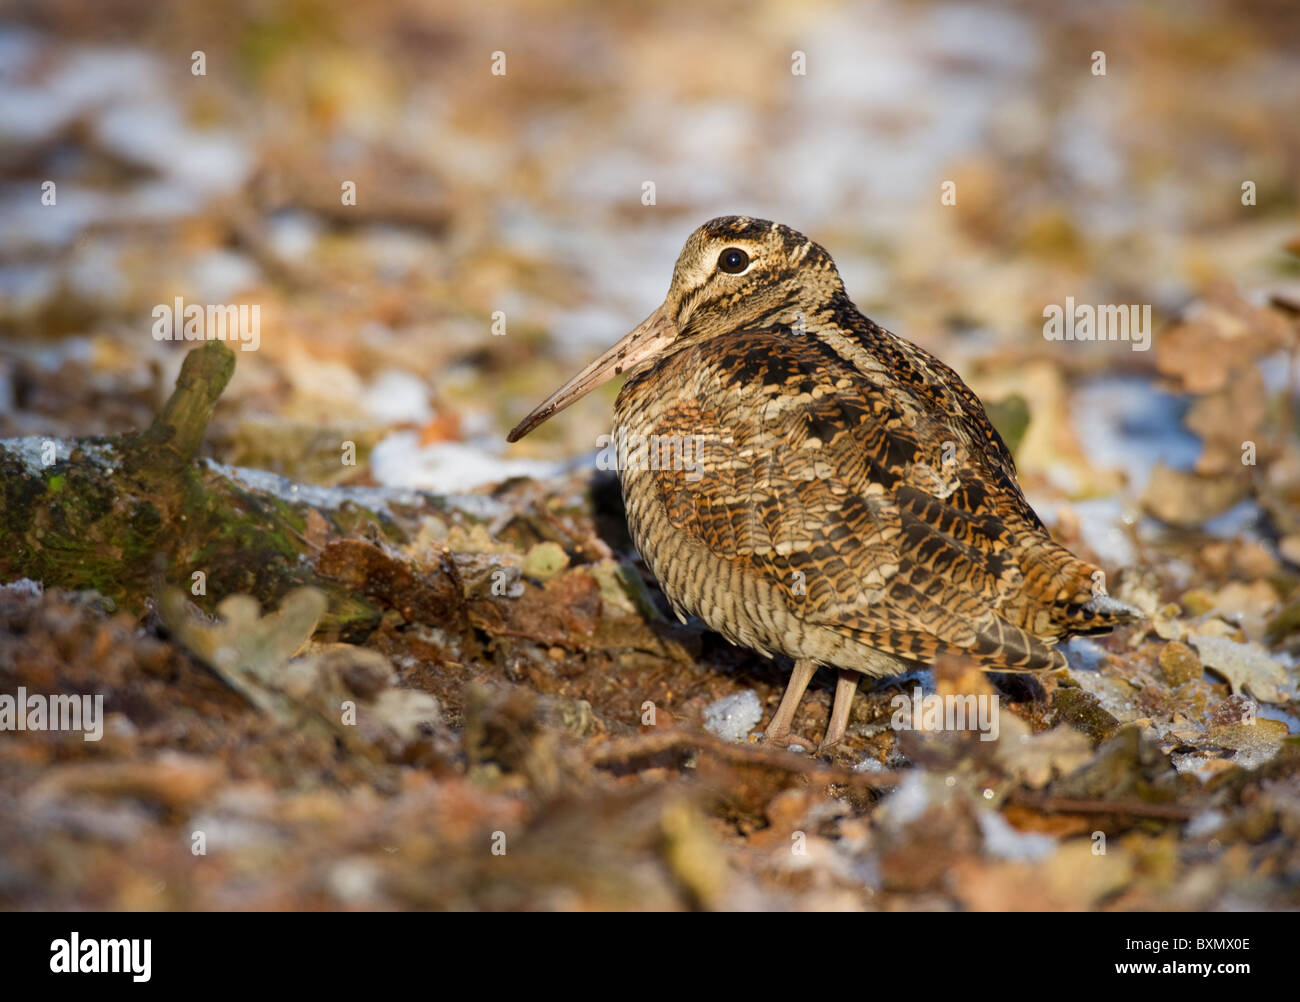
440,677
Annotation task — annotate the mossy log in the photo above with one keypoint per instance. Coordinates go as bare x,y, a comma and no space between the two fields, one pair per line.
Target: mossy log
126,515
132,515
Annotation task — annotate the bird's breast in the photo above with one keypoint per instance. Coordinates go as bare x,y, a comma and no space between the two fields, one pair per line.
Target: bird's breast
673,488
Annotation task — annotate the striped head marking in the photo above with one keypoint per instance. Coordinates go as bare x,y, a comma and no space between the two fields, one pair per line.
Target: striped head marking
733,272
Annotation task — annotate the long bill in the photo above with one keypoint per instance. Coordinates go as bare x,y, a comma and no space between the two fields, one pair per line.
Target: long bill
655,333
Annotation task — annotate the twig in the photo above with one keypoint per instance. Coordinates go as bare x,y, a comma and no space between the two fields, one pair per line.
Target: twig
1068,805
621,751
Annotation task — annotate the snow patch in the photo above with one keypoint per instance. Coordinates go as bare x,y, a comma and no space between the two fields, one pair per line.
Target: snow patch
1004,842
449,467
733,717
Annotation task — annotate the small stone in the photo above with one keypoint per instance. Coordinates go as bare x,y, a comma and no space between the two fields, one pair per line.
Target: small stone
545,560
1083,711
1179,663
1197,602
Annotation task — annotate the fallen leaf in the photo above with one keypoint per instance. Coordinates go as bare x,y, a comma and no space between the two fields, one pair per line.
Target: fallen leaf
1247,667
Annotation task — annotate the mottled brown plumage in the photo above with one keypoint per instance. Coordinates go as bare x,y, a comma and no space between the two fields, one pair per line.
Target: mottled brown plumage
837,494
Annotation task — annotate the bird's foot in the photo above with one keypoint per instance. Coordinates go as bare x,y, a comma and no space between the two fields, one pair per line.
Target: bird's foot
787,740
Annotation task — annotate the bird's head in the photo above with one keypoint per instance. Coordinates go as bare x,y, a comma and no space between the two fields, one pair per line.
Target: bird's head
734,271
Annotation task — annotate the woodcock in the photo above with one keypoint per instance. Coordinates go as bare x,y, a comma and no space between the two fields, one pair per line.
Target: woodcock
809,484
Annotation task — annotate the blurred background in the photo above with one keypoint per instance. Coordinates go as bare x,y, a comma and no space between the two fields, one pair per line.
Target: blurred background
501,156
522,193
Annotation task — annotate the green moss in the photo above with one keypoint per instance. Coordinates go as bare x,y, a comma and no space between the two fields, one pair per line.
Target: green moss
1082,710
126,515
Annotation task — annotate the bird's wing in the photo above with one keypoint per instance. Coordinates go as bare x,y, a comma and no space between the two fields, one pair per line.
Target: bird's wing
876,512
941,391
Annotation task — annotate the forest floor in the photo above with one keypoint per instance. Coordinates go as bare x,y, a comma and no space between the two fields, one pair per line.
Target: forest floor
354,652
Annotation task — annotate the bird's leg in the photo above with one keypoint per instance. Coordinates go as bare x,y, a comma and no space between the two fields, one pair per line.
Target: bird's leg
845,686
778,731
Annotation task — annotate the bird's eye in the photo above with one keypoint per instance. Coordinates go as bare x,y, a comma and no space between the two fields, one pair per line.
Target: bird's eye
733,261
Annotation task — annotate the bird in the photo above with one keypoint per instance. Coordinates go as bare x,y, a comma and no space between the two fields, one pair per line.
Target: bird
809,484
